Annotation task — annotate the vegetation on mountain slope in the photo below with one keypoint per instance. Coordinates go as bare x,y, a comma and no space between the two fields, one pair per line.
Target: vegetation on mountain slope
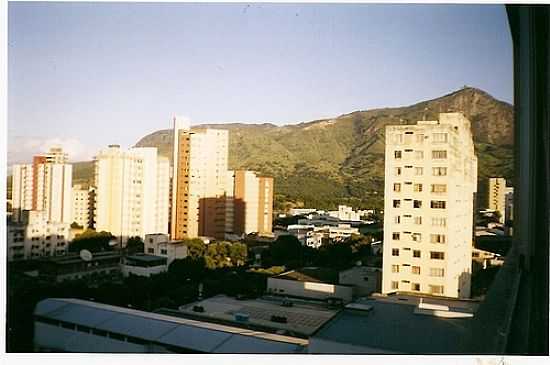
341,161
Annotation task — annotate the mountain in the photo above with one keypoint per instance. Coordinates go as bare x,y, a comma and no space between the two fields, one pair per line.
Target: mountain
328,162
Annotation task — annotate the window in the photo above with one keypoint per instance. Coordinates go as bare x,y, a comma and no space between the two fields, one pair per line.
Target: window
417,204
415,270
397,219
420,138
439,222
416,253
395,236
397,187
437,238
439,188
416,237
439,154
163,251
436,255
397,171
439,171
437,272
395,252
417,188
439,137
397,203
417,220
419,155
415,287
436,289
395,268
397,138
397,154
395,285
151,250
418,171
438,204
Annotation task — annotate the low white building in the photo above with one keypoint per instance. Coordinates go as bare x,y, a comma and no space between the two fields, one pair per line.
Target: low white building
364,279
36,237
143,265
159,244
319,235
309,282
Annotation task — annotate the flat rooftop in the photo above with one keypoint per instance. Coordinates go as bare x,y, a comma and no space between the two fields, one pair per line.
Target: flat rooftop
311,274
200,336
390,325
303,318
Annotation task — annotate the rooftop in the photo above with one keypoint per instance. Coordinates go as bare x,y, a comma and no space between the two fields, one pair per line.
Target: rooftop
311,274
394,324
180,332
303,317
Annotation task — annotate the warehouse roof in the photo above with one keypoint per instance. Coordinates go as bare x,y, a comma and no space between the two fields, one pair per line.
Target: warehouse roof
184,333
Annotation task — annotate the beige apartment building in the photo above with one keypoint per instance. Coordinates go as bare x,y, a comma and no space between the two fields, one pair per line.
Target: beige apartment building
497,196
252,203
131,192
199,182
44,185
430,181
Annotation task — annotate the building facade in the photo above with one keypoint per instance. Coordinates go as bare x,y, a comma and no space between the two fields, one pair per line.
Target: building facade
82,206
497,196
34,236
44,185
199,182
252,203
131,192
430,181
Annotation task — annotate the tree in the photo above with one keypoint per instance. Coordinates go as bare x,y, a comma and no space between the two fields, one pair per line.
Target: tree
335,255
92,241
195,247
135,244
188,268
287,250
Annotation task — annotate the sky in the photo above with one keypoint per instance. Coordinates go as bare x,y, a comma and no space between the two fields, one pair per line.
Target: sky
85,75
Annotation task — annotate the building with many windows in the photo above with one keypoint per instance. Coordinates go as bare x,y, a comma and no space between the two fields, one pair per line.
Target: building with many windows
430,181
131,192
33,236
44,185
198,182
497,196
252,202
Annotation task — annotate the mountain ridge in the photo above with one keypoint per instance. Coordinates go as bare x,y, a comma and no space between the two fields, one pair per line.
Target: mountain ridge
326,162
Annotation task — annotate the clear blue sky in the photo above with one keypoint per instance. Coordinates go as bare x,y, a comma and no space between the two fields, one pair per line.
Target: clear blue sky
90,74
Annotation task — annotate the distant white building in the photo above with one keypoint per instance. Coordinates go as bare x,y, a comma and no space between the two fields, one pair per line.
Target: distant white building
316,237
497,196
161,245
44,185
34,237
132,192
346,213
143,265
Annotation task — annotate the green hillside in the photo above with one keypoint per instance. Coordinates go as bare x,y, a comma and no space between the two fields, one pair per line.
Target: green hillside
328,162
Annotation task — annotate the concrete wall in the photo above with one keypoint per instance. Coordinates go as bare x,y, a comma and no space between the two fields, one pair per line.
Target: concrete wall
309,289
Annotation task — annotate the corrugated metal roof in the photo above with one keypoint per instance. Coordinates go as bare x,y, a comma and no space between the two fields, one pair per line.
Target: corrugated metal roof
181,332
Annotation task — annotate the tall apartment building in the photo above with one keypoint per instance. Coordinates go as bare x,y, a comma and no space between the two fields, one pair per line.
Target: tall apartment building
497,196
198,182
430,181
83,205
131,192
44,185
252,203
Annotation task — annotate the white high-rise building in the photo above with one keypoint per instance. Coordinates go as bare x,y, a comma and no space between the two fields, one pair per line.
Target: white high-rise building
430,181
497,196
44,185
131,192
199,181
